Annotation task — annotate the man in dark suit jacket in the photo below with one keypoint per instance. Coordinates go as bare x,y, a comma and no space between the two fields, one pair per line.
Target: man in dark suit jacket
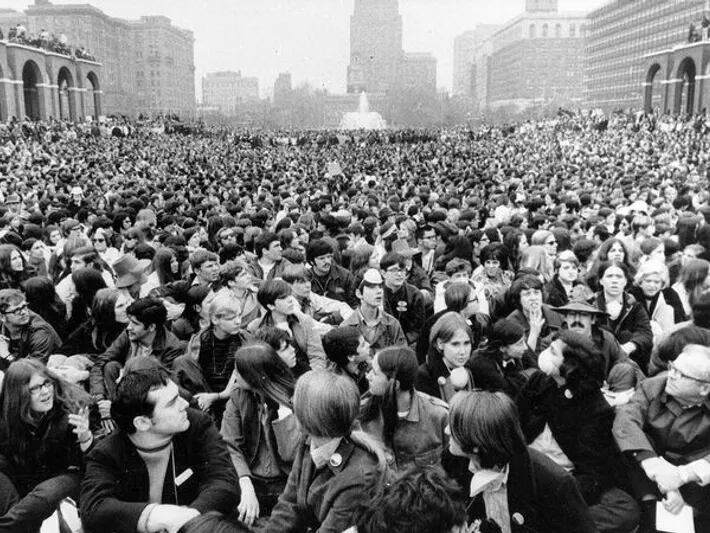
165,465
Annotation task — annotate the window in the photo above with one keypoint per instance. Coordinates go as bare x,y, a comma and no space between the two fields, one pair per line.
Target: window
544,30
558,31
572,30
532,31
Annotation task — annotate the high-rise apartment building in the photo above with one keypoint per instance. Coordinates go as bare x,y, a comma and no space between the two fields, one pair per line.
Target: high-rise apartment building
621,34
228,90
535,59
375,46
148,64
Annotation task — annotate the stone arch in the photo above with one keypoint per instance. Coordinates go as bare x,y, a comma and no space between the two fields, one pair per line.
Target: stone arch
93,94
651,96
685,93
66,88
31,84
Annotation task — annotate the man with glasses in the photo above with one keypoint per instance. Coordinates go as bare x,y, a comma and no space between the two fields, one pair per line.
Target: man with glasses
23,333
665,432
428,239
402,300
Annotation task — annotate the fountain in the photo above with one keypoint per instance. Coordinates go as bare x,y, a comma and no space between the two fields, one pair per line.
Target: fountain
363,118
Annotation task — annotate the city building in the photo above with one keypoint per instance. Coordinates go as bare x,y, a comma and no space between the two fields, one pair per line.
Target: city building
378,64
466,46
228,91
418,72
282,88
375,46
165,67
534,60
464,50
148,64
621,36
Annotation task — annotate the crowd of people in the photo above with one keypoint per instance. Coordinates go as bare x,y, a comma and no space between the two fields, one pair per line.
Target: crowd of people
45,40
502,329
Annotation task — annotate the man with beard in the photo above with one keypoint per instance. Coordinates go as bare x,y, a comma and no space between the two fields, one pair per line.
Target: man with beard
328,278
621,372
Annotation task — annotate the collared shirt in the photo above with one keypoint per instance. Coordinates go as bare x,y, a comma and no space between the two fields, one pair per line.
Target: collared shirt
321,454
546,443
493,485
654,423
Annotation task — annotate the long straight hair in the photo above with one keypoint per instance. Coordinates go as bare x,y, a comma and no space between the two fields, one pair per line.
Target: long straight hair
15,412
399,364
327,405
265,372
444,330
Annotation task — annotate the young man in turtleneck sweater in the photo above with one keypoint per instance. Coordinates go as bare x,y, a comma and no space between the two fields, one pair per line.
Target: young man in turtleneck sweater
165,465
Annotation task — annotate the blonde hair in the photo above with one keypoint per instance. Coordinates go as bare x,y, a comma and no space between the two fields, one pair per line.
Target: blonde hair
223,303
536,257
650,267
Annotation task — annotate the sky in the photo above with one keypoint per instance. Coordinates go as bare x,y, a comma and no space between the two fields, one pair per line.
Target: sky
308,38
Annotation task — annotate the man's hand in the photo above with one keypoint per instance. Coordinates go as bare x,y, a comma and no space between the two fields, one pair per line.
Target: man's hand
673,502
170,518
249,504
667,476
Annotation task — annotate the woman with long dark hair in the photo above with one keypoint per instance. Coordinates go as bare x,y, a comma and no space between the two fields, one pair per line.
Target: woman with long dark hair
251,421
101,328
87,282
504,361
694,280
194,316
166,269
446,368
44,431
409,423
13,267
44,300
625,317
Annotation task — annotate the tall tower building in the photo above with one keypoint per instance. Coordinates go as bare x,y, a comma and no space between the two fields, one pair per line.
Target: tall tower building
375,46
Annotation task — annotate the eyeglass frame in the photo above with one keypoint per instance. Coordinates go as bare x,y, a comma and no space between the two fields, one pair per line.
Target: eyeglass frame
24,306
37,389
673,370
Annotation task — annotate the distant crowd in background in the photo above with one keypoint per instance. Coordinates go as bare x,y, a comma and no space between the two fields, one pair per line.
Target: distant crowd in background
46,41
499,329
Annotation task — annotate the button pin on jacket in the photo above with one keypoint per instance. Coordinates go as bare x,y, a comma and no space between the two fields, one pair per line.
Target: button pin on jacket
336,460
518,519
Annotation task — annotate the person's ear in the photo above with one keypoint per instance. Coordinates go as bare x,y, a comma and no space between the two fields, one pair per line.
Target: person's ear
439,345
705,389
358,294
142,423
152,327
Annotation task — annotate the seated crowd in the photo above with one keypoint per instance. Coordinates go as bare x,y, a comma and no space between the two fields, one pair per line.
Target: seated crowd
215,353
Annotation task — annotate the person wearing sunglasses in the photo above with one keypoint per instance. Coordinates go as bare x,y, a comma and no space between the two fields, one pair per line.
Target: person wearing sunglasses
102,245
664,431
23,333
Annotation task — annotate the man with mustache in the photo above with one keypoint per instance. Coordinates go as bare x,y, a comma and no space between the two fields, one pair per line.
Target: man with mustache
621,372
